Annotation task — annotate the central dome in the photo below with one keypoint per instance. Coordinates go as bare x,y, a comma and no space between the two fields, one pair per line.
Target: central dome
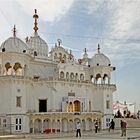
38,46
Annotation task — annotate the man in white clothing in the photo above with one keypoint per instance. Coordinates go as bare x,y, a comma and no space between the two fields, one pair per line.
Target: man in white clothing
78,129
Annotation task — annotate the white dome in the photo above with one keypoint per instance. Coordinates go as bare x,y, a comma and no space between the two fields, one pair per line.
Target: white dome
14,44
38,45
100,60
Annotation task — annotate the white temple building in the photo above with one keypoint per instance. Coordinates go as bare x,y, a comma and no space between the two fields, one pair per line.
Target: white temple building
48,90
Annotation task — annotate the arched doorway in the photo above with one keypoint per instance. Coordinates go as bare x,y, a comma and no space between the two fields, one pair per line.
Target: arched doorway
37,126
76,106
64,125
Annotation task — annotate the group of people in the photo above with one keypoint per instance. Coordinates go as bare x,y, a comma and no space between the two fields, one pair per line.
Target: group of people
97,124
123,126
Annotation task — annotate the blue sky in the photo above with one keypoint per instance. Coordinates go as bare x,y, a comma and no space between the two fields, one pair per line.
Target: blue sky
114,24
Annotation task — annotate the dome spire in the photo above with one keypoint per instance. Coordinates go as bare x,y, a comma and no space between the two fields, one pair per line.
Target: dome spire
99,48
35,16
14,31
85,50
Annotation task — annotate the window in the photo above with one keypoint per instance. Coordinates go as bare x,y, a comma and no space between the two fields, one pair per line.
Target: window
107,104
18,101
61,74
42,105
18,124
76,106
107,122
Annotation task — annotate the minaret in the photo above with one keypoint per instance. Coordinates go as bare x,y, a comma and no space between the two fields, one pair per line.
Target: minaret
35,16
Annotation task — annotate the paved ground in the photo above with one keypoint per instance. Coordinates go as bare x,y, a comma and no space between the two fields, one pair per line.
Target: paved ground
104,135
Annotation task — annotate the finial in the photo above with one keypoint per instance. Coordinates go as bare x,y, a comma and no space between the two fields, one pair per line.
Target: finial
59,41
14,31
35,16
85,50
98,48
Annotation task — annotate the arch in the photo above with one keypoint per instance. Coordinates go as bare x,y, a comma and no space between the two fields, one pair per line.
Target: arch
76,76
46,124
62,74
98,78
58,125
106,79
67,75
77,120
67,106
31,126
83,125
64,125
81,76
8,68
71,125
70,107
76,106
17,68
37,126
72,76
89,124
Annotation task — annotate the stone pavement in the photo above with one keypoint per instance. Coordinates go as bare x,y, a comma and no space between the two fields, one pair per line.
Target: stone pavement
103,135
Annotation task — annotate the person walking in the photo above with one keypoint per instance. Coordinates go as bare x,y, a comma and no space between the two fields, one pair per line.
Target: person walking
78,129
112,125
123,125
96,126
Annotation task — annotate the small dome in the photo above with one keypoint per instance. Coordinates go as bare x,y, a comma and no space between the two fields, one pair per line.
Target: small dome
38,46
14,44
100,59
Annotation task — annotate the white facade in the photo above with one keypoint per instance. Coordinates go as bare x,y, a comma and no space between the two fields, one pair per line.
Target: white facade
51,91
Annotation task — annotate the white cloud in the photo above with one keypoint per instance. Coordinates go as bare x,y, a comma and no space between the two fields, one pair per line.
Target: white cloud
48,10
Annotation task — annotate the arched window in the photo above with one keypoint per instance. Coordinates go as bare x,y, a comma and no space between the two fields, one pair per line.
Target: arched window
8,68
61,74
105,79
17,69
67,107
76,106
70,107
98,78
72,76
81,76
76,76
67,75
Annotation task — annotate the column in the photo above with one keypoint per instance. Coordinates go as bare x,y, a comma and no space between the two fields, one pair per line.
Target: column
33,127
42,124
